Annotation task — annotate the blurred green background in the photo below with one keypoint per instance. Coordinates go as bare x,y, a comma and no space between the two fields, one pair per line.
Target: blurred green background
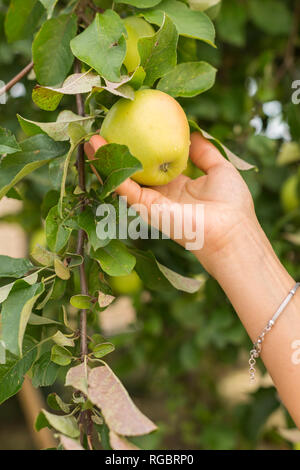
184,358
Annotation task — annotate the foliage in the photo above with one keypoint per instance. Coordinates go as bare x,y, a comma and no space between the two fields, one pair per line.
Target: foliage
185,338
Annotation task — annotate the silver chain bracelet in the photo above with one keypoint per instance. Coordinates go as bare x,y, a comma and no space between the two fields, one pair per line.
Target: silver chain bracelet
257,347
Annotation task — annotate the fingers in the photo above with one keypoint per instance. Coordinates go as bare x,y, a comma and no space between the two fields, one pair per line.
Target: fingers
204,154
137,195
91,147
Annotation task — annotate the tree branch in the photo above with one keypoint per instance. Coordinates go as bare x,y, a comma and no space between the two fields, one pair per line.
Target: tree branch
86,424
289,55
81,234
16,79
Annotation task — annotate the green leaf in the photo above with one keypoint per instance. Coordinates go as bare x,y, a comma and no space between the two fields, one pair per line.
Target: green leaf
51,52
160,278
35,152
115,259
65,424
86,221
62,340
16,311
22,18
49,6
272,16
5,290
159,52
40,320
42,256
14,267
149,272
12,373
56,130
139,3
103,349
48,98
8,143
44,371
102,45
81,301
182,283
61,270
193,24
188,79
56,403
115,163
120,88
57,233
60,355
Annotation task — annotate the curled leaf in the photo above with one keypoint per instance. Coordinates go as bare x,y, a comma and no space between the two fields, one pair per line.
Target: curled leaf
120,413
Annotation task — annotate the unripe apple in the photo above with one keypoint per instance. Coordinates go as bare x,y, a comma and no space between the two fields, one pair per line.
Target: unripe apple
136,28
156,131
210,7
289,195
128,284
38,238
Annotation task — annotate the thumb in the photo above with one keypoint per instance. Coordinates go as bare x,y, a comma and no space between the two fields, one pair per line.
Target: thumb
91,147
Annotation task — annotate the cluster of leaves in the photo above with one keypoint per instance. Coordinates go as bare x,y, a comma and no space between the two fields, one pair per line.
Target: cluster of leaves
50,346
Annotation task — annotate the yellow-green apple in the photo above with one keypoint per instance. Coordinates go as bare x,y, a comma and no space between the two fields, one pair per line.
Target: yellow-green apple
136,28
156,131
38,238
128,284
289,195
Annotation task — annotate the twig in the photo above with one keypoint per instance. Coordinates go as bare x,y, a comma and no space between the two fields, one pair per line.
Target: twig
289,55
16,79
85,416
93,7
81,234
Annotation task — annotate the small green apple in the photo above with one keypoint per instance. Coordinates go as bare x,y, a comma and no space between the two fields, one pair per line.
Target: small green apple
289,195
126,285
210,7
156,131
136,28
38,238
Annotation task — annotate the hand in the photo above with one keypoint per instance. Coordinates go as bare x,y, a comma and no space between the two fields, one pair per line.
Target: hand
224,194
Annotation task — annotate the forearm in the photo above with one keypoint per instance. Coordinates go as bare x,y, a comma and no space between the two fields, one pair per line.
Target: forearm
256,283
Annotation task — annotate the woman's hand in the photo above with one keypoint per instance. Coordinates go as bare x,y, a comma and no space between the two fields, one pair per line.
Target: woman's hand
226,199
237,253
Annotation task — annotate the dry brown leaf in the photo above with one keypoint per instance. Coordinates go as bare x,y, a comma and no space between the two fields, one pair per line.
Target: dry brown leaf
120,443
120,413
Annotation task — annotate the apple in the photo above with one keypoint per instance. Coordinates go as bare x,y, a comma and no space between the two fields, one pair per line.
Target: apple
38,238
210,7
289,195
128,284
156,131
136,28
